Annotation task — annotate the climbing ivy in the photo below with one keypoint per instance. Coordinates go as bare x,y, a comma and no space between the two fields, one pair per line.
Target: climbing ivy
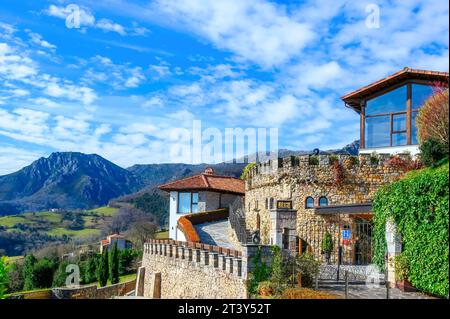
419,205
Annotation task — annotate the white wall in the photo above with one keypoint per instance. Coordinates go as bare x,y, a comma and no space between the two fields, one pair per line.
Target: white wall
206,201
412,149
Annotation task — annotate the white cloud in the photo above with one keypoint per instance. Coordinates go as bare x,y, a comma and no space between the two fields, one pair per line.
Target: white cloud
110,26
254,30
38,40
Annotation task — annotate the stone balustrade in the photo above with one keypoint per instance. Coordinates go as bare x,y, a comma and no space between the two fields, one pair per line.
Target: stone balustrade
197,255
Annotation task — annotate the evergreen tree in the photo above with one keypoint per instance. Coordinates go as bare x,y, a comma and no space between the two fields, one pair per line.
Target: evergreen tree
28,272
90,270
102,269
114,265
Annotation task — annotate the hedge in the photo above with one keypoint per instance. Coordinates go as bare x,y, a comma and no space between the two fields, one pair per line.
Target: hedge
419,204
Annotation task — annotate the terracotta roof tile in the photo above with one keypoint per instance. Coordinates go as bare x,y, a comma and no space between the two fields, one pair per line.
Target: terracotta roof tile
207,181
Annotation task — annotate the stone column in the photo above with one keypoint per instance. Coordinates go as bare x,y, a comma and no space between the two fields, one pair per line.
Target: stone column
139,290
214,259
394,248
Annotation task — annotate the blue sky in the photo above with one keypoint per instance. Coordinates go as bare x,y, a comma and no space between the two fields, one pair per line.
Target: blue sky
135,71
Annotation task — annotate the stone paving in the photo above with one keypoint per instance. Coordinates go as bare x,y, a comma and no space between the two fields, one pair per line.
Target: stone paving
215,233
361,291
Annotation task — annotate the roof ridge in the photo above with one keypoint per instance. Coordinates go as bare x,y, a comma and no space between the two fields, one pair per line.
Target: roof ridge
205,180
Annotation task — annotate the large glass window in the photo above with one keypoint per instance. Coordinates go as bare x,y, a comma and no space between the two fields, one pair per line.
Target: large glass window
420,93
187,203
386,119
391,102
378,131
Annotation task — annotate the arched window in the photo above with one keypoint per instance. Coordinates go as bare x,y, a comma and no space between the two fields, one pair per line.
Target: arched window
323,201
309,202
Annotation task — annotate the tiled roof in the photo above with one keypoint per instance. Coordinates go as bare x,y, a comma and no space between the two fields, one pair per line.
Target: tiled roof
352,99
207,181
116,236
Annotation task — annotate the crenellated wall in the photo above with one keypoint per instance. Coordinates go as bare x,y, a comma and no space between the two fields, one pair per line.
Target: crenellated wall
353,181
193,270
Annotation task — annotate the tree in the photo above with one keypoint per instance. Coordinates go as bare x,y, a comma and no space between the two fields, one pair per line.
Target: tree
433,118
140,232
126,259
15,277
28,272
114,265
43,272
59,279
102,269
90,270
3,276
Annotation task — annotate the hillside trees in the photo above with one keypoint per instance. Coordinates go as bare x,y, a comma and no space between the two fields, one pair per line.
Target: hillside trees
102,269
114,265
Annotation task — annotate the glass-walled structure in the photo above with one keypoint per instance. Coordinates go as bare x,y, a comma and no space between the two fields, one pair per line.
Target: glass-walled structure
388,109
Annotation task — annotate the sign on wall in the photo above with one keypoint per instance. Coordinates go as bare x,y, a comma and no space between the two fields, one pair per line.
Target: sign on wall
284,204
346,234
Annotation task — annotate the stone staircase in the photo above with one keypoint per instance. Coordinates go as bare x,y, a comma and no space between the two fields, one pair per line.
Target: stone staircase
237,221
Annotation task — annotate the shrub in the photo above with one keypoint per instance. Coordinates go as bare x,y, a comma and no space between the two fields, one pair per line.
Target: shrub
308,266
374,158
304,293
403,163
3,276
43,272
327,243
246,170
419,205
277,277
59,279
401,267
313,160
260,273
15,277
432,151
265,288
338,172
432,120
333,159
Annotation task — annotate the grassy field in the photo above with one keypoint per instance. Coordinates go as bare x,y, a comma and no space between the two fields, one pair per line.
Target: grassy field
162,234
51,223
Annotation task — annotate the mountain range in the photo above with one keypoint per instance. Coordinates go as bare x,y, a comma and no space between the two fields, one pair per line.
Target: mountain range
72,180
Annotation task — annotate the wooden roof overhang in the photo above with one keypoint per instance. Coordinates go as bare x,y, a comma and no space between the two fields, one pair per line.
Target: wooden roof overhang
354,99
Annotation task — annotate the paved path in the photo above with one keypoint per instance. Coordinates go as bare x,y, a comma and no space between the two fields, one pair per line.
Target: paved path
361,291
215,233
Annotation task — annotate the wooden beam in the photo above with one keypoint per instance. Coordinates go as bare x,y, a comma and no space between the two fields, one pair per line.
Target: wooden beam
362,143
408,113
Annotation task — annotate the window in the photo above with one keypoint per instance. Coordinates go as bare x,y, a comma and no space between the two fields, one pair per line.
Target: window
187,203
271,203
420,93
386,116
323,201
309,202
391,102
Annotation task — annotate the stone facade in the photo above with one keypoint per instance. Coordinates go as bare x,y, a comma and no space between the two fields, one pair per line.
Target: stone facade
185,271
355,181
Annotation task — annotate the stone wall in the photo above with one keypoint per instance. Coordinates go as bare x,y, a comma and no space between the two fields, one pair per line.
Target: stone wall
92,292
297,177
185,270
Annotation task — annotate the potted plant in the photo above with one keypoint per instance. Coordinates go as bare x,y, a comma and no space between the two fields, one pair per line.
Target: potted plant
265,288
401,274
327,246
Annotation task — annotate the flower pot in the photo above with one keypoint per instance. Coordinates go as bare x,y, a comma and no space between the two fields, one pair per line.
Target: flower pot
405,286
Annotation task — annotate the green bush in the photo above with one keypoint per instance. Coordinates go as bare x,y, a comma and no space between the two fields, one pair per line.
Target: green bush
59,278
278,276
313,160
3,276
308,266
246,170
419,205
90,270
260,273
28,272
43,272
327,243
432,151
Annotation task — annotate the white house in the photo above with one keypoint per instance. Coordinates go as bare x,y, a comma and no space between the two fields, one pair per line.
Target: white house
200,193
110,240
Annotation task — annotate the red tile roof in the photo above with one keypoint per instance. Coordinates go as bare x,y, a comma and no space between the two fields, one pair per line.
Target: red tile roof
207,181
353,99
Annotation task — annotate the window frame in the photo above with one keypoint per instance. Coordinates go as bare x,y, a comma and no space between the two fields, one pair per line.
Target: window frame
306,202
409,110
191,202
326,198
